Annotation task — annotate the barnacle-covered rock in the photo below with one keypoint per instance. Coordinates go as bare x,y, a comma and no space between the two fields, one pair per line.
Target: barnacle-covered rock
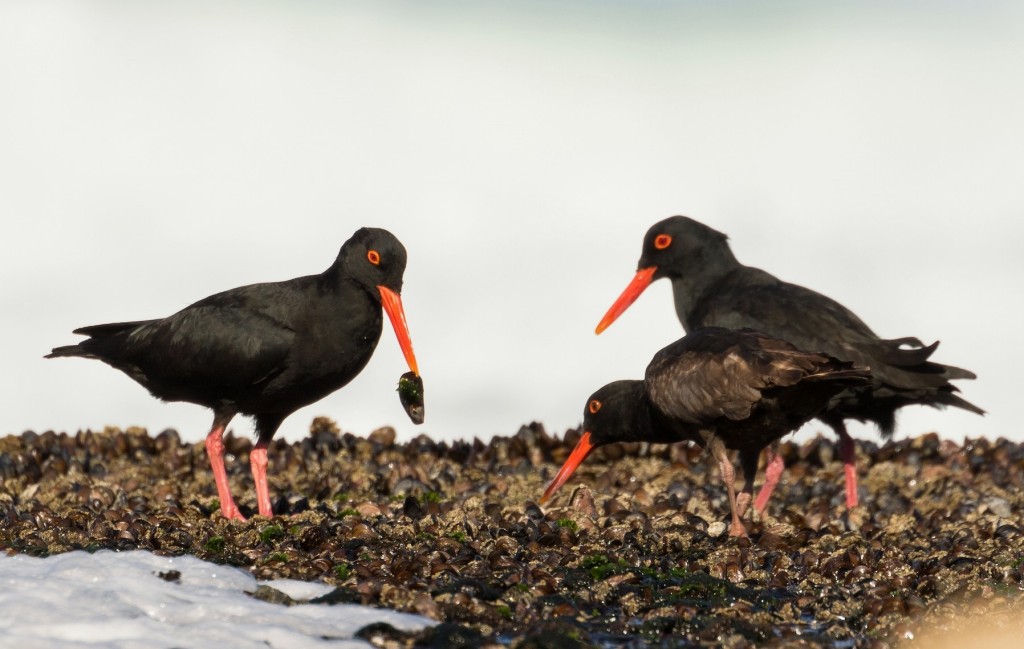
634,554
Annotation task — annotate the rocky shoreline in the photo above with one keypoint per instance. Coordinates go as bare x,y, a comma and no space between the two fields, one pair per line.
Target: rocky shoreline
631,553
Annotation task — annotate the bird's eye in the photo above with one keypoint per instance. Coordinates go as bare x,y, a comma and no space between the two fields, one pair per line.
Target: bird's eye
594,406
374,257
662,241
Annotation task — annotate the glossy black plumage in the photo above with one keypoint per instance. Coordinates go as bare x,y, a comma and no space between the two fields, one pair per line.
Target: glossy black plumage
264,350
712,288
723,389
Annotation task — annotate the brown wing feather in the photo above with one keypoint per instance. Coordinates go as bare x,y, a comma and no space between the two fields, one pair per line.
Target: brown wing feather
715,372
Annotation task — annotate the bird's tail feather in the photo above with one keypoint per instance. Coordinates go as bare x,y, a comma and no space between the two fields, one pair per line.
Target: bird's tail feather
95,332
67,350
950,399
915,359
957,372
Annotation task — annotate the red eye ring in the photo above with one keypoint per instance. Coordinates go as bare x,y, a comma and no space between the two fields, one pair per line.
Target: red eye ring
374,257
662,241
594,406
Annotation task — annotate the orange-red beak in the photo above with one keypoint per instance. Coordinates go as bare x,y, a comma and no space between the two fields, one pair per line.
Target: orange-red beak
640,282
582,450
393,307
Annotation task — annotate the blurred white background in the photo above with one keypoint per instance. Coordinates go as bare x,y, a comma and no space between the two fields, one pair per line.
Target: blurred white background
153,153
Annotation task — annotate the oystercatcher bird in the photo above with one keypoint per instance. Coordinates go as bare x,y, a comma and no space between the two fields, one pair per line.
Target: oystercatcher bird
264,350
721,388
712,288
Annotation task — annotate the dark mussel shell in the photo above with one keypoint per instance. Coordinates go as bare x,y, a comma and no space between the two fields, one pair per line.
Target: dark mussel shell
410,392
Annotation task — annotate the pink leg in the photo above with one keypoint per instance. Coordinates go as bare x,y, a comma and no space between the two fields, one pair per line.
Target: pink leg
258,462
772,473
215,449
719,452
848,451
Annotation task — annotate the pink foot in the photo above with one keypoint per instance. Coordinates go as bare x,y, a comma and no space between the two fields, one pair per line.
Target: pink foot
737,528
231,512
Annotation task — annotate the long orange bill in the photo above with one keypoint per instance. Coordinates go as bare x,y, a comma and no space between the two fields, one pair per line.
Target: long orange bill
582,450
641,281
393,307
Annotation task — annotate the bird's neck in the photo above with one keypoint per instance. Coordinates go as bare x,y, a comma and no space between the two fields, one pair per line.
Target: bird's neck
700,280
335,281
649,425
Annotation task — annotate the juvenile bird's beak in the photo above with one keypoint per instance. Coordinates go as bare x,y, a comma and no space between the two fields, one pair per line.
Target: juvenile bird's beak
392,303
582,450
641,281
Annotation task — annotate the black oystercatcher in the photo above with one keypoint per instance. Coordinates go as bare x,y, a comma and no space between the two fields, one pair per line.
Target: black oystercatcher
712,288
721,388
264,350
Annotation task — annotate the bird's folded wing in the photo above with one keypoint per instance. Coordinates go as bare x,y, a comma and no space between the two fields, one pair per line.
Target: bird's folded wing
213,344
698,388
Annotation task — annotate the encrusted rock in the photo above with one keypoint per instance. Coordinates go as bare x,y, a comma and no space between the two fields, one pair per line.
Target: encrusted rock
636,554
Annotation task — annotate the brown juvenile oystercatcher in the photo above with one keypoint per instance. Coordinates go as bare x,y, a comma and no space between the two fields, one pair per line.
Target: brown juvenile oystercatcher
721,388
264,350
712,288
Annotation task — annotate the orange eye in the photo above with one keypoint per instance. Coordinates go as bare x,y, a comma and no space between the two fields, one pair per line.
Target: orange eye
374,257
594,406
662,241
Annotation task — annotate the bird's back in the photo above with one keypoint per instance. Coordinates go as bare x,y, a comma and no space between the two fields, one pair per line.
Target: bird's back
747,387
901,370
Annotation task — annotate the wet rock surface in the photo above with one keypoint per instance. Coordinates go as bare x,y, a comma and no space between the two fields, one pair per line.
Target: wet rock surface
632,552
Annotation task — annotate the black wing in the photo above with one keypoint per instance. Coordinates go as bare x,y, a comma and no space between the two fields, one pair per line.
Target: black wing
749,297
222,344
